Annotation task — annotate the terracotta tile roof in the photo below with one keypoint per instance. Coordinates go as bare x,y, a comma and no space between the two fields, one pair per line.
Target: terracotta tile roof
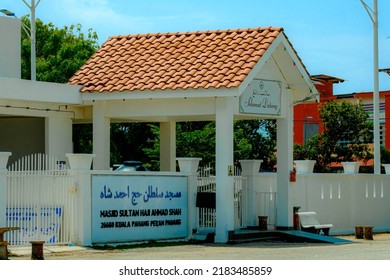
209,59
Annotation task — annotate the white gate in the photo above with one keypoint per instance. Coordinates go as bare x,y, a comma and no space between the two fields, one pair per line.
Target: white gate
206,183
40,201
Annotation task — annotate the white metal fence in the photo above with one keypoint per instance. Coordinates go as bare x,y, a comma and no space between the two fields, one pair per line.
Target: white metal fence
40,201
206,183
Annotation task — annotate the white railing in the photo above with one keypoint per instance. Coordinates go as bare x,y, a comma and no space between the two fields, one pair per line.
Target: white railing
40,201
206,216
206,183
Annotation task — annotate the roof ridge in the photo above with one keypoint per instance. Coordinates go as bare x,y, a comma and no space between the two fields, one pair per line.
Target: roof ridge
198,32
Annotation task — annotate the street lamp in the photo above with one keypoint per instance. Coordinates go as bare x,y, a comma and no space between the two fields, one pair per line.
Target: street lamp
30,33
373,13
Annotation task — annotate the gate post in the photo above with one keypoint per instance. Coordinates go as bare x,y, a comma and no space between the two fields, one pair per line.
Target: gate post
190,166
3,187
249,169
80,165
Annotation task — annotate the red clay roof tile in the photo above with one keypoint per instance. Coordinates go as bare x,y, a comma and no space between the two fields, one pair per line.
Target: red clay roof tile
209,59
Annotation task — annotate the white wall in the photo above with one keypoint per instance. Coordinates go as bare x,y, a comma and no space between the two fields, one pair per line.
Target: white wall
340,199
10,54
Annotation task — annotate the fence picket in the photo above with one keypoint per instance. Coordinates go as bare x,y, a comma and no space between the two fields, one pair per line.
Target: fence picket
39,201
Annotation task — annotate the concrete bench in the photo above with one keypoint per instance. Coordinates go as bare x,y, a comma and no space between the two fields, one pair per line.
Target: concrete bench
308,222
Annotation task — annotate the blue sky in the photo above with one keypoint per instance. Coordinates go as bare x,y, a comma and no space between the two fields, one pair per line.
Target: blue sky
332,37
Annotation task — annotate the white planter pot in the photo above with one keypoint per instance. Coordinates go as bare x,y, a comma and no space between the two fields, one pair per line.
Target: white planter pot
304,166
80,161
351,167
189,165
387,168
4,159
250,167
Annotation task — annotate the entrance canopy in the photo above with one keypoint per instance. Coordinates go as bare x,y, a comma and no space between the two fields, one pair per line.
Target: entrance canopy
172,76
195,76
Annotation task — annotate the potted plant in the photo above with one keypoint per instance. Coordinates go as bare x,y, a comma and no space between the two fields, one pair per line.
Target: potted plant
304,163
352,156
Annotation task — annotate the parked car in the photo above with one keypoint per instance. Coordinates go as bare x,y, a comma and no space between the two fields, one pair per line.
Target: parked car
131,165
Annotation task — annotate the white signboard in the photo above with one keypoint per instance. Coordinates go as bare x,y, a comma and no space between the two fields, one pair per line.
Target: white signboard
130,208
261,97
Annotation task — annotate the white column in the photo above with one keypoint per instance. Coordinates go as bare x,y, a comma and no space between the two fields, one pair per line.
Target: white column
58,137
285,165
168,146
3,186
80,165
224,161
101,136
190,166
249,169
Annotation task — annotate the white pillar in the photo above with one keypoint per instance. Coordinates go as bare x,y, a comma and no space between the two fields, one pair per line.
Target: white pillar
3,186
224,162
190,166
168,146
249,169
58,137
80,165
101,136
285,165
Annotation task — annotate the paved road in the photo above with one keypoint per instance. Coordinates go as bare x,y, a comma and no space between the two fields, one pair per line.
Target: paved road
377,249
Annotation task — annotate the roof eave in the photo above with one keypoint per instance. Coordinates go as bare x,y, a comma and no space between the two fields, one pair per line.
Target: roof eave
35,91
88,97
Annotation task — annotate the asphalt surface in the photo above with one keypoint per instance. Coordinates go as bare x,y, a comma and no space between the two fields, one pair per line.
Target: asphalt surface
358,249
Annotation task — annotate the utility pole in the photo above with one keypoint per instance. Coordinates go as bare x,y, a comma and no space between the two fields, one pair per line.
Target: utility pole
373,13
32,6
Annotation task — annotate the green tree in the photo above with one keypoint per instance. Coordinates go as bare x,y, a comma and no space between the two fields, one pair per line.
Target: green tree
252,140
60,52
347,133
256,139
129,140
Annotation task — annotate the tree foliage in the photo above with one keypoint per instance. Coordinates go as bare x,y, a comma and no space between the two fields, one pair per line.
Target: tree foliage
129,142
347,133
256,139
253,139
60,52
